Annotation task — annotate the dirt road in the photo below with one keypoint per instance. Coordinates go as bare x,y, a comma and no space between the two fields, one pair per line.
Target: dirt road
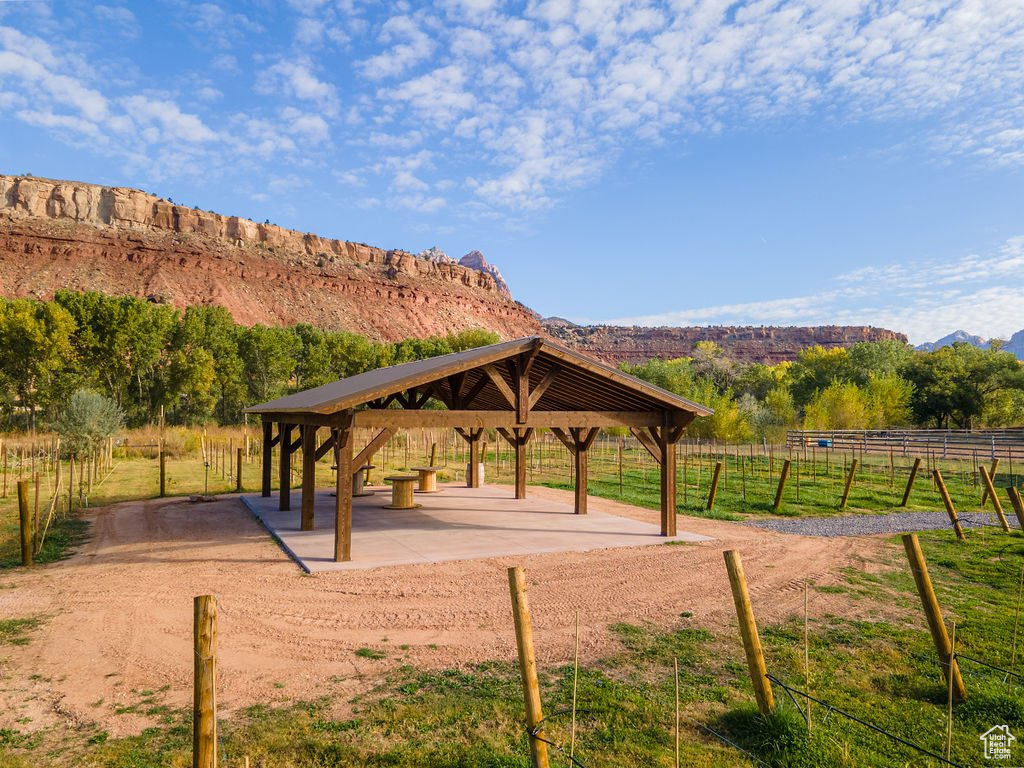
119,613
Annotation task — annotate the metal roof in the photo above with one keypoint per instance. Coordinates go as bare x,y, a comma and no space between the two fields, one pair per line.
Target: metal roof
582,383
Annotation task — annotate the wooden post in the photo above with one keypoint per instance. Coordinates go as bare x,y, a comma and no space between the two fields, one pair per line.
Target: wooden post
35,516
309,475
992,494
714,486
849,482
474,458
581,465
204,701
527,666
25,515
932,612
163,473
668,483
910,481
782,485
748,631
937,476
433,455
238,471
986,491
266,458
1018,505
343,495
284,479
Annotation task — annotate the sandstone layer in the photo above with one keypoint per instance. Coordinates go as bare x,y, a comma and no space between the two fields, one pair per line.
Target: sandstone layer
761,344
60,234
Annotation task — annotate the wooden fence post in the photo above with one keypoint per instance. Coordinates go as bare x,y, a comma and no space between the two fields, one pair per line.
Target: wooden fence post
238,471
937,475
782,485
1018,505
849,483
163,474
748,631
986,492
25,515
527,666
714,486
910,481
992,495
932,612
204,706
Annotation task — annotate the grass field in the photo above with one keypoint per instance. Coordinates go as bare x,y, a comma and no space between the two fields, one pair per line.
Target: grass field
882,669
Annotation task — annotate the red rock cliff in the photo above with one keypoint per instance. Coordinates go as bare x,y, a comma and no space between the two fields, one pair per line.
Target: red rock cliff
63,234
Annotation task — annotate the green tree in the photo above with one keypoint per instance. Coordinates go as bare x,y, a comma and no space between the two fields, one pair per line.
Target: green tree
887,400
953,385
214,330
841,405
817,368
35,349
471,338
878,358
123,342
87,421
269,356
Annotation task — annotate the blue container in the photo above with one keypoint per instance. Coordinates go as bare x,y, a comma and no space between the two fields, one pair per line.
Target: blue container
824,443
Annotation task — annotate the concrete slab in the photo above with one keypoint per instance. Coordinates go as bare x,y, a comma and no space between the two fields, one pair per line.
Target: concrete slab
457,524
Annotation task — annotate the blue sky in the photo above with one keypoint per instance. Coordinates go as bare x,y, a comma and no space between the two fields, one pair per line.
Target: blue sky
639,162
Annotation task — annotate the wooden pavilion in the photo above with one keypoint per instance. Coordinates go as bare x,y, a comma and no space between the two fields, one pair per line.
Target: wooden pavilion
514,387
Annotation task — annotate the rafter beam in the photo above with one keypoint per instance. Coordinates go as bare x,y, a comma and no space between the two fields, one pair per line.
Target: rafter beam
542,385
499,382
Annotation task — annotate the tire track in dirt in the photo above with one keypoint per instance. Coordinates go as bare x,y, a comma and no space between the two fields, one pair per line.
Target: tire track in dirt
121,609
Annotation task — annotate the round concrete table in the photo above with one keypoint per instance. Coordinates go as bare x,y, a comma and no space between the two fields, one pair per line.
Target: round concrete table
428,479
401,492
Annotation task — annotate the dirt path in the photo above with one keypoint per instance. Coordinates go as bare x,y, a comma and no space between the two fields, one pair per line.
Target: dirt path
119,612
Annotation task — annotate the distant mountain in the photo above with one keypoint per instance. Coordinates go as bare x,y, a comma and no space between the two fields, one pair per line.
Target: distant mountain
953,338
1014,345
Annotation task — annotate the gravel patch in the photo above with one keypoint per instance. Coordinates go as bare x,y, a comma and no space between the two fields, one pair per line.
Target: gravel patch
867,525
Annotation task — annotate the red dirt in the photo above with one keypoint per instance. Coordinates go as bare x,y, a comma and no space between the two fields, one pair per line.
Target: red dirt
119,612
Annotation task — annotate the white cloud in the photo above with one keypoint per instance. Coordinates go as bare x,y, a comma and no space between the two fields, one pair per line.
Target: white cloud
295,78
119,18
163,121
409,45
926,300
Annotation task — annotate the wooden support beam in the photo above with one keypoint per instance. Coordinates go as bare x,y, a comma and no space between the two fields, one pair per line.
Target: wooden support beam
668,484
582,439
543,384
403,419
564,439
343,495
518,438
371,448
472,436
647,442
475,390
456,383
326,446
266,459
284,474
308,434
499,382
